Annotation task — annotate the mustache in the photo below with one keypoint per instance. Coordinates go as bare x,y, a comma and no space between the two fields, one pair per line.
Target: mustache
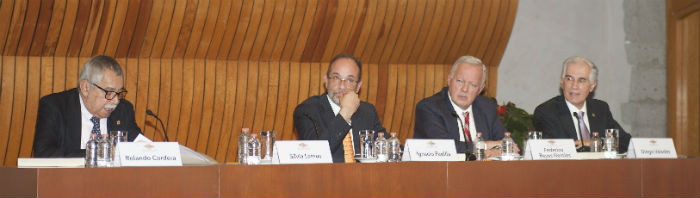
110,106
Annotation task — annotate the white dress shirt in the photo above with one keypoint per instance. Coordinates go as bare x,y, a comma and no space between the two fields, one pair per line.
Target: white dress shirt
460,113
86,124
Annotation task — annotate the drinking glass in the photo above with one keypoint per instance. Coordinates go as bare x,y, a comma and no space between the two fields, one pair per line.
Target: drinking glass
267,139
366,143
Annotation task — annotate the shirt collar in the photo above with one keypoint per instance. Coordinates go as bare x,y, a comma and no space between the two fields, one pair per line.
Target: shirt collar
84,113
574,109
334,107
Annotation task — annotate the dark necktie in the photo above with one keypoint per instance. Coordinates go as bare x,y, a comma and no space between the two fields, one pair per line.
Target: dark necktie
95,126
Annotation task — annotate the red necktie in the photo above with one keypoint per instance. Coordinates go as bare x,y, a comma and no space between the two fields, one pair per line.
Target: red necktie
466,127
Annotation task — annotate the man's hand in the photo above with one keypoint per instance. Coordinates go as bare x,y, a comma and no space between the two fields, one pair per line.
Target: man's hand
585,143
349,103
494,148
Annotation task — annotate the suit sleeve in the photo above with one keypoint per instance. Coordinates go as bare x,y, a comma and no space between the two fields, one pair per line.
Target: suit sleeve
430,125
376,125
309,128
47,131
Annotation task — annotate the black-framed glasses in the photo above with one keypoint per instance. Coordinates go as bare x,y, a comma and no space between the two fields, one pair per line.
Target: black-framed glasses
111,94
337,79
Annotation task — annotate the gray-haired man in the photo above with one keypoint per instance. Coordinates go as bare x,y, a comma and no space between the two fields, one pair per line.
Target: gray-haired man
66,119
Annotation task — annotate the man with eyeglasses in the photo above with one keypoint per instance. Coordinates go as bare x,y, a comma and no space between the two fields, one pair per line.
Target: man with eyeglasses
66,119
338,115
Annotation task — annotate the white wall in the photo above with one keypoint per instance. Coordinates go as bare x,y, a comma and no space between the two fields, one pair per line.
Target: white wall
548,31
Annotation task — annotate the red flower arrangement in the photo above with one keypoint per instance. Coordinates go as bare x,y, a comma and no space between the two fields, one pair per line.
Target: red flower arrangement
516,120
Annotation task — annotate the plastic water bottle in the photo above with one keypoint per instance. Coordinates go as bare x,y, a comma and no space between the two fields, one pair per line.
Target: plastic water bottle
507,148
91,148
243,145
596,143
394,148
480,148
610,148
381,148
104,151
254,149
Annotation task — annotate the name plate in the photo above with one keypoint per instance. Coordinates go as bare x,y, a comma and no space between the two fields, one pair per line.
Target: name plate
429,150
550,149
651,148
302,152
149,154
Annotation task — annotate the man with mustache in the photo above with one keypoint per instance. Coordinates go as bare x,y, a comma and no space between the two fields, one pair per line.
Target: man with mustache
338,115
66,119
574,115
458,112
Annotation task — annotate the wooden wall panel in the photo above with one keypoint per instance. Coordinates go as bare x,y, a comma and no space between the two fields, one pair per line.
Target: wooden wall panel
208,68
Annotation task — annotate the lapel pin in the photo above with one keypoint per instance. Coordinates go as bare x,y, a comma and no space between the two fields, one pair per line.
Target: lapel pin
118,122
593,114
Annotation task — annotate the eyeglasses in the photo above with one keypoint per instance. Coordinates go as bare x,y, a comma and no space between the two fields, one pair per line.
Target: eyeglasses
111,94
348,81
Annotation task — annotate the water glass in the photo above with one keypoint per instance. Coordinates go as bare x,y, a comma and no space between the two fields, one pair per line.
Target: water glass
534,135
616,135
116,137
267,139
366,144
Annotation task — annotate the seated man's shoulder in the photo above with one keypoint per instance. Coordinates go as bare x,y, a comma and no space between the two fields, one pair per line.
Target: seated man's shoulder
60,98
552,103
432,100
598,102
486,101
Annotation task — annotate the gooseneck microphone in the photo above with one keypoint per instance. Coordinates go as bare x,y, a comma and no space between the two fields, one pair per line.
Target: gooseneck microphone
315,125
165,134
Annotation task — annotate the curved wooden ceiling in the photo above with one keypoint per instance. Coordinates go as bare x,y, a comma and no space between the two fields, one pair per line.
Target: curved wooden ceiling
390,31
210,67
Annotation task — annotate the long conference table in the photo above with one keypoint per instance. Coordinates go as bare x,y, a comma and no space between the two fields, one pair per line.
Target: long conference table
557,178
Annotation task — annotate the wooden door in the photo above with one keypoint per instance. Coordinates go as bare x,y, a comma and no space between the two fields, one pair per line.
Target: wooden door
683,74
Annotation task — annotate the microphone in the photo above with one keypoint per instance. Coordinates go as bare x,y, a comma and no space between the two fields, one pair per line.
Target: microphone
315,125
165,134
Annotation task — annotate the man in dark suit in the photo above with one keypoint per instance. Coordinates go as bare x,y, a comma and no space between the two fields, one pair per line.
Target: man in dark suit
458,112
66,119
574,115
332,115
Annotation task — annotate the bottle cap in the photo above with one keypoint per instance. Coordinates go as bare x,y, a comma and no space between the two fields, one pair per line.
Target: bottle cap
507,133
254,135
595,133
380,134
393,134
246,130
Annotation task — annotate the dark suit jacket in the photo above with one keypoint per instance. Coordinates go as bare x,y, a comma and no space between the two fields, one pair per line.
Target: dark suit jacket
314,120
555,120
435,120
58,124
